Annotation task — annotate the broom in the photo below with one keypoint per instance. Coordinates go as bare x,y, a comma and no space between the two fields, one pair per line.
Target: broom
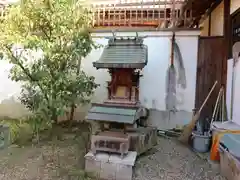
171,81
189,128
181,70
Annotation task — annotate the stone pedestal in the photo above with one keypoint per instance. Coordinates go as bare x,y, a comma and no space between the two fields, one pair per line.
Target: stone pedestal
142,139
109,141
110,166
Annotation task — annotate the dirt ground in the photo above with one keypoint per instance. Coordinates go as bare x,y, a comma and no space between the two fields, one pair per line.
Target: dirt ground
59,159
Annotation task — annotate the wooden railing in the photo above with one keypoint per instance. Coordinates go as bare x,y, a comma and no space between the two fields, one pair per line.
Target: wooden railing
158,13
153,13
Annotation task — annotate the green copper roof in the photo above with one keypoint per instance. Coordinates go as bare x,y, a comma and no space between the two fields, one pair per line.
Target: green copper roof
112,114
123,53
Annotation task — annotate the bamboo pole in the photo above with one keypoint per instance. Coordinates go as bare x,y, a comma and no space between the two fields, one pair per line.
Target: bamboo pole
184,138
173,18
216,106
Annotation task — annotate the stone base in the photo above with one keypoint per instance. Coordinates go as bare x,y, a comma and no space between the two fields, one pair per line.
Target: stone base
110,166
142,139
109,141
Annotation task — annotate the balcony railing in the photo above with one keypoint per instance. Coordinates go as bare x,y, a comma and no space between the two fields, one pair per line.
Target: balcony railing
158,13
132,13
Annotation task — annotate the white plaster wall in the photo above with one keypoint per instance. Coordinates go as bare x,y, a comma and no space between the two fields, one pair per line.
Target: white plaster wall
8,88
236,96
152,84
229,87
101,75
236,89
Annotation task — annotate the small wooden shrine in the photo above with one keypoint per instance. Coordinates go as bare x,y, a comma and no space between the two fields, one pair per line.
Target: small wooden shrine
124,58
120,115
121,112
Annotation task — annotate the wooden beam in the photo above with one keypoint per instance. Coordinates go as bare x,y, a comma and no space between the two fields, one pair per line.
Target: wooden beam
227,36
148,3
187,4
213,7
208,9
199,8
209,24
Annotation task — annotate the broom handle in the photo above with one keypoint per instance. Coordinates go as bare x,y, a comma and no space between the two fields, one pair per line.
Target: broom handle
216,106
232,89
172,48
209,94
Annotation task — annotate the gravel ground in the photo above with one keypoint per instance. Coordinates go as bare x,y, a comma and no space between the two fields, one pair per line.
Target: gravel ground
170,160
167,161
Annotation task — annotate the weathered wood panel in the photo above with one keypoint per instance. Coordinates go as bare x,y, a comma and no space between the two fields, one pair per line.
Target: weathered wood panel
235,30
209,69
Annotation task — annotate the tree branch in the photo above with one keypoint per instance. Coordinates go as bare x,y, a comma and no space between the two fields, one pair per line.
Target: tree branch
27,72
45,33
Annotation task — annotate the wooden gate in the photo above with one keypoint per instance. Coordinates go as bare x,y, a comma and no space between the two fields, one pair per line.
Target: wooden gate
209,69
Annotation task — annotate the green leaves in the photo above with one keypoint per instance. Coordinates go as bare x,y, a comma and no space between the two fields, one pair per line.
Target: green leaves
54,36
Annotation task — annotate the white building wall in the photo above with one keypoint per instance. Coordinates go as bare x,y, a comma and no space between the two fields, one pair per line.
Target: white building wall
152,84
236,96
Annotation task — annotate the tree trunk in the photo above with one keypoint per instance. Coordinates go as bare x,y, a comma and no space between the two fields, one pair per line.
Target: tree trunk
72,112
54,117
73,104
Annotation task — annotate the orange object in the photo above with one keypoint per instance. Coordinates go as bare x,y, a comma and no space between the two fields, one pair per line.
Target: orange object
214,154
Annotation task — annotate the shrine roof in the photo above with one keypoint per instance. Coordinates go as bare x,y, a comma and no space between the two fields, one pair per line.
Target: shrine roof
123,53
112,114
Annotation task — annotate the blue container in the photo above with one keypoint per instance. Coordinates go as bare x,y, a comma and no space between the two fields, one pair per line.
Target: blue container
232,143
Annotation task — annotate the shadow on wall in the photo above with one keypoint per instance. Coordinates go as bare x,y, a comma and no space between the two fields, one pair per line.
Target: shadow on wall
165,120
80,114
11,108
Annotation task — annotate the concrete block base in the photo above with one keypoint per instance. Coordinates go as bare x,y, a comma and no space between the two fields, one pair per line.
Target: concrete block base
110,166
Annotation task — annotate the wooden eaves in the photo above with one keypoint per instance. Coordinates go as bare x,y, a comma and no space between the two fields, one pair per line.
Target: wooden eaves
200,9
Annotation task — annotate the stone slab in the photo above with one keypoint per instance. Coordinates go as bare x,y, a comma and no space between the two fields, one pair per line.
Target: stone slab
129,159
110,166
124,172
